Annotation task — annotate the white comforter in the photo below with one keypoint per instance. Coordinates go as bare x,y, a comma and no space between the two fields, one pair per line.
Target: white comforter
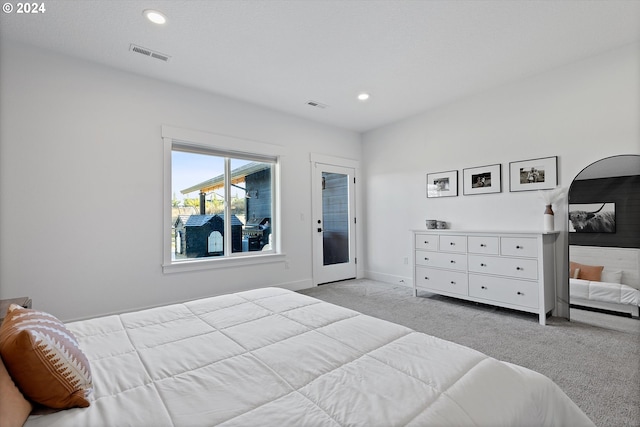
272,357
615,293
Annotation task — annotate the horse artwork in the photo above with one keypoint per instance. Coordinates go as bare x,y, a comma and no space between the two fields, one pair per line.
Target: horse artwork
584,219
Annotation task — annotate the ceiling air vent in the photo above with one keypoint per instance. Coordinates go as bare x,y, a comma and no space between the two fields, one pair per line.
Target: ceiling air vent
148,52
316,104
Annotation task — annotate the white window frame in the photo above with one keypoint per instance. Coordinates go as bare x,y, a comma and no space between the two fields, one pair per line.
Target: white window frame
221,145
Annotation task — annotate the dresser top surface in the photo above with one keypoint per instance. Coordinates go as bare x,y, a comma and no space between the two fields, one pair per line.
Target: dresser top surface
484,232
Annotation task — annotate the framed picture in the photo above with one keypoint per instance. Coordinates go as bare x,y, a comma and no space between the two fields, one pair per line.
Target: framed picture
482,180
535,174
592,217
442,184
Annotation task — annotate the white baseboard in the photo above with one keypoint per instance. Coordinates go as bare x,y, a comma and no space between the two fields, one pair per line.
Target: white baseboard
389,278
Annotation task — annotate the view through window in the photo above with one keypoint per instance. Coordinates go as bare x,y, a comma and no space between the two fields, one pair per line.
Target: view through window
221,205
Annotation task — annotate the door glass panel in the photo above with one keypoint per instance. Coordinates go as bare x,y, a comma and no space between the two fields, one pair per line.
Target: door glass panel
335,218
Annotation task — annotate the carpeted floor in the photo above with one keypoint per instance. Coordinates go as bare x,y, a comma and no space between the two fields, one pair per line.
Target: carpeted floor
594,358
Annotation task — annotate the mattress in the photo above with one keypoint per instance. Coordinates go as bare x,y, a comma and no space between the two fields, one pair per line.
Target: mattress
273,357
614,293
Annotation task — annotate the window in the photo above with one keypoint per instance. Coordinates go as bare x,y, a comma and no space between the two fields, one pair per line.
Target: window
222,202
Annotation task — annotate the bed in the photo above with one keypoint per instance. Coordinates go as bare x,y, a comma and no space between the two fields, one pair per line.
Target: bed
273,357
612,279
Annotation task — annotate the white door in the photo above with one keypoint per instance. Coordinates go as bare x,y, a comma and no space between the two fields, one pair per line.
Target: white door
334,223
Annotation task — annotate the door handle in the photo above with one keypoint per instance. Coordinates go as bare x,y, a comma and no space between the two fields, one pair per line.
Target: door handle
319,230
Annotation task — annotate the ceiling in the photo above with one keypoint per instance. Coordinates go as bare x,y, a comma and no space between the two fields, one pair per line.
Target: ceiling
409,55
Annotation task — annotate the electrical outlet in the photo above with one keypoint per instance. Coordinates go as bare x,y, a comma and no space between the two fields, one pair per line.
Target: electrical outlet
406,260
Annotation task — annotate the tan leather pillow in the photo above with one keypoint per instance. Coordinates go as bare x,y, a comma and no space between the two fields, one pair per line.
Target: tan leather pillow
588,272
44,360
14,408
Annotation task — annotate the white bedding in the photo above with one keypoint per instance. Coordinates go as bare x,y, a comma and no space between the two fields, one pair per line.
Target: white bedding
614,293
272,357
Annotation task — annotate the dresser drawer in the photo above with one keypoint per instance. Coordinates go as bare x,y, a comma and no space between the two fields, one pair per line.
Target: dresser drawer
426,241
442,280
519,246
483,245
453,243
514,267
510,291
442,260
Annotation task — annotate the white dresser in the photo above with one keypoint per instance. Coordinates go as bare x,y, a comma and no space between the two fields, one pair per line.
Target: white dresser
507,269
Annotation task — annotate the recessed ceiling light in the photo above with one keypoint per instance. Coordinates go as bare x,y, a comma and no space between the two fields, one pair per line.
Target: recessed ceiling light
363,96
155,16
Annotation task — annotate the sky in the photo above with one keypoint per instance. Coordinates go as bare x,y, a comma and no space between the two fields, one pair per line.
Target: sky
189,169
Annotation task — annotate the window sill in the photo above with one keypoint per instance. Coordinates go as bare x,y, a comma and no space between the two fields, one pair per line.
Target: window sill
218,263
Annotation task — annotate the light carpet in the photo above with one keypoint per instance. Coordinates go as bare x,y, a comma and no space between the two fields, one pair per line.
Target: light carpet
595,359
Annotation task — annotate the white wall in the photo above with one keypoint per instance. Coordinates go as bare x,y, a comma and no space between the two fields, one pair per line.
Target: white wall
81,172
81,166
581,113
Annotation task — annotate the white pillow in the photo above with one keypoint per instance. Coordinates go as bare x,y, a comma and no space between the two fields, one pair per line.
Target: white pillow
611,276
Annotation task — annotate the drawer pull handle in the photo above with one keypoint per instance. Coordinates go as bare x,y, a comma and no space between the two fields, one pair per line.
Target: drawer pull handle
519,268
518,247
426,242
483,287
426,259
482,245
453,283
426,278
452,244
452,262
483,264
520,293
